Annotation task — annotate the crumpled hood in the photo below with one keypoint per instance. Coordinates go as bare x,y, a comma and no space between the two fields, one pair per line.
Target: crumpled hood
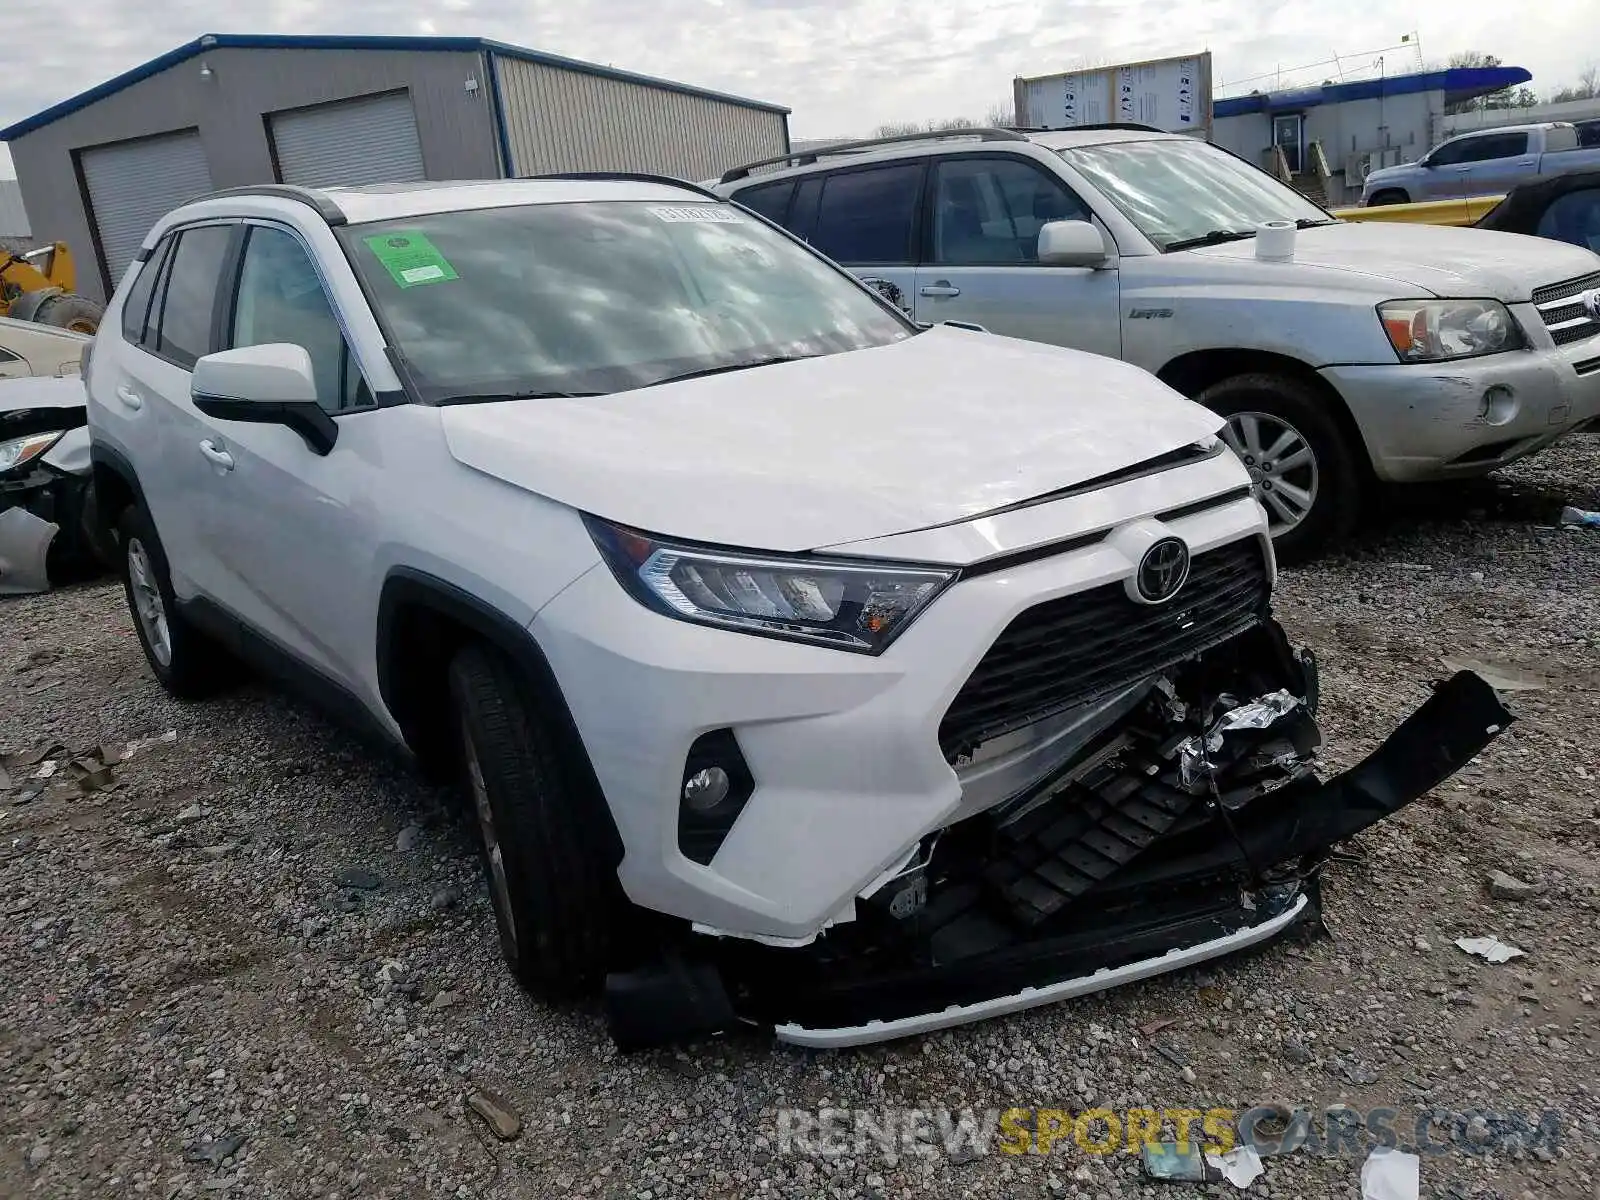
40,404
941,427
1436,259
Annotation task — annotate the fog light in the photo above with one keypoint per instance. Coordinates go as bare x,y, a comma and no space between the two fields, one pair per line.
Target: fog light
706,789
1499,405
715,785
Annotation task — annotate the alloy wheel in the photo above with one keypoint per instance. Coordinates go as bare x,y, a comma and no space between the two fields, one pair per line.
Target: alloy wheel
1281,463
148,606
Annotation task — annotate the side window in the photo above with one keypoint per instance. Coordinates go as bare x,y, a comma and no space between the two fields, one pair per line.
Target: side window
7,357
189,301
1573,218
988,211
868,216
136,308
280,299
1492,146
803,212
771,200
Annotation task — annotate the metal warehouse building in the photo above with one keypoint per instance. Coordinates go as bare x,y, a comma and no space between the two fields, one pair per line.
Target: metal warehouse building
224,110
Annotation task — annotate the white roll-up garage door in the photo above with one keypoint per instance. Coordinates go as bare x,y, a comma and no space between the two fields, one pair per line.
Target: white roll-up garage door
370,140
132,185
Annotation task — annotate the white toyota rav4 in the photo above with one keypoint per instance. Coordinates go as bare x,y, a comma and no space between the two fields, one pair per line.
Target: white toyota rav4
806,670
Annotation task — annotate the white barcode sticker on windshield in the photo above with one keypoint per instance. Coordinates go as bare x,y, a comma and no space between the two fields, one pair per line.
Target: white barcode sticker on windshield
715,213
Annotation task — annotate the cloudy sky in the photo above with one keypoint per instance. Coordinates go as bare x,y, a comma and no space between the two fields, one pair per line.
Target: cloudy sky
844,66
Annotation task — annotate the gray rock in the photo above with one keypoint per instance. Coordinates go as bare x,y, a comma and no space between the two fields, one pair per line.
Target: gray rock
1296,1052
359,878
408,839
1509,887
444,898
38,1155
496,1113
190,815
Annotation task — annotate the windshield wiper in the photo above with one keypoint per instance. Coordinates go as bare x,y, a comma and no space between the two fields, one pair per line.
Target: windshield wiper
1215,238
744,365
1308,223
496,397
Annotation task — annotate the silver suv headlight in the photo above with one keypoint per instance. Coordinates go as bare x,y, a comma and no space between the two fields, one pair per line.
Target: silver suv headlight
22,450
1436,330
856,606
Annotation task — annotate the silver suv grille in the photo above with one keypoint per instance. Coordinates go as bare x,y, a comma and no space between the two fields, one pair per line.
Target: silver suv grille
1563,311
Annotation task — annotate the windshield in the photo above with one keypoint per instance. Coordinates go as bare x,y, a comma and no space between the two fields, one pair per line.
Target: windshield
1182,191
587,298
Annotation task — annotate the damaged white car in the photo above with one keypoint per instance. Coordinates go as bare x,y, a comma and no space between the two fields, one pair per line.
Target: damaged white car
49,530
805,670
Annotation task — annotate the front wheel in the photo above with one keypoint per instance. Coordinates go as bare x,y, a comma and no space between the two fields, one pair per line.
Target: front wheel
1389,197
1300,460
551,877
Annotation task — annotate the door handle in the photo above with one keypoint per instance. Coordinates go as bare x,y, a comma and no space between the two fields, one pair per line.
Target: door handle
942,288
217,456
129,397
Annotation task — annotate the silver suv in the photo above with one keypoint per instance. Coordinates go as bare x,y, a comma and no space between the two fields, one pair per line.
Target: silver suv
1358,352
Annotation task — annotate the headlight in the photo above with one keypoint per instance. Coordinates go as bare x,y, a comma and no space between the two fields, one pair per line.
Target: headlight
1434,330
25,449
860,607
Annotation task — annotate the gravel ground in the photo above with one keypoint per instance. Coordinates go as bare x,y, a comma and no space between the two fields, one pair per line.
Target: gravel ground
262,963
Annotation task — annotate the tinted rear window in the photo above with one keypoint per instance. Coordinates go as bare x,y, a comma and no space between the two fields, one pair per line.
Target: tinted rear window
191,294
868,216
771,200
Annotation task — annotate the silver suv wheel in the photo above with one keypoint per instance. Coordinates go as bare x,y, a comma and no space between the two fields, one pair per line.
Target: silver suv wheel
147,603
1281,463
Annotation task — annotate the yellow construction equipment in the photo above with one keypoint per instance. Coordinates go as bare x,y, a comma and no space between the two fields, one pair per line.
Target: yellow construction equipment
40,286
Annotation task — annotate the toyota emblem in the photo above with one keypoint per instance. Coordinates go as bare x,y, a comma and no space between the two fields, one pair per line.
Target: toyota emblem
1591,302
1162,571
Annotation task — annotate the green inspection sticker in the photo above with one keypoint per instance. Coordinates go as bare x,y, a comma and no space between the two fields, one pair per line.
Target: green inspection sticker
410,258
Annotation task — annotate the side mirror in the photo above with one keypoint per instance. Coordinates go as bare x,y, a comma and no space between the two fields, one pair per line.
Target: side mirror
265,385
1072,244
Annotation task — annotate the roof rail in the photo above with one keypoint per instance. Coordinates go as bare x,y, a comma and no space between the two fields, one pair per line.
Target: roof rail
806,157
1134,125
326,208
633,177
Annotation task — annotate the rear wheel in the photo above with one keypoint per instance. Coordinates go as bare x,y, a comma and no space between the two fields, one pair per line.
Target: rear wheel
185,661
549,872
77,313
1300,460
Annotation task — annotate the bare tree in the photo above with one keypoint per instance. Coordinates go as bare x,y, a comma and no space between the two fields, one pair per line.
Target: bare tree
1504,98
1000,114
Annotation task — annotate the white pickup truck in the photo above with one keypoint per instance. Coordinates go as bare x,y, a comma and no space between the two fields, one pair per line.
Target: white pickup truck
1486,162
1365,352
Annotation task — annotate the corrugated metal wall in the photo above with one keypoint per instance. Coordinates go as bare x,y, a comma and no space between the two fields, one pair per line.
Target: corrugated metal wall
455,126
559,120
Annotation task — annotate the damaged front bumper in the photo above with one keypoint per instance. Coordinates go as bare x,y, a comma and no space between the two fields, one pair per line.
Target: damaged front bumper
1186,823
48,531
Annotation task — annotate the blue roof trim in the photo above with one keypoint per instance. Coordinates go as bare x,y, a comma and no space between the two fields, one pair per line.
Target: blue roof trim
1459,83
273,41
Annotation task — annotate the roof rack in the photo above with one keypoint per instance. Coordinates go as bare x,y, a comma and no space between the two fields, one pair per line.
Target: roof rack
631,177
326,208
806,157
1134,125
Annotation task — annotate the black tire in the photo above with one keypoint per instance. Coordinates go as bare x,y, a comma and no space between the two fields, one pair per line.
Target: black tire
1392,196
557,900
1341,479
70,311
195,665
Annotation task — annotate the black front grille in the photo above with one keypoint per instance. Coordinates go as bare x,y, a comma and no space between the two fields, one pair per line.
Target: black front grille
1067,651
1563,311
